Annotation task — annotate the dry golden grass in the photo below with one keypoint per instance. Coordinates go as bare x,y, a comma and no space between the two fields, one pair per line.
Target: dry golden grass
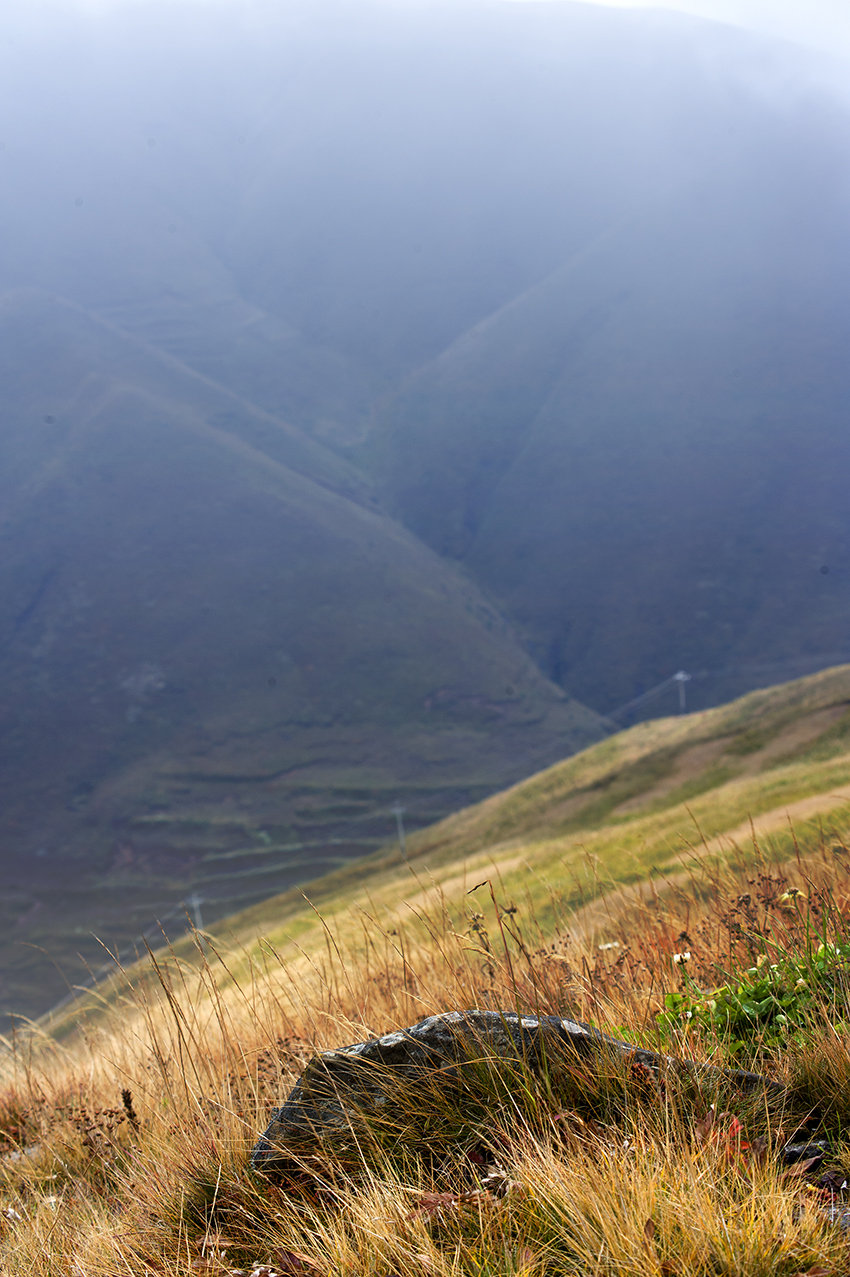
124,1151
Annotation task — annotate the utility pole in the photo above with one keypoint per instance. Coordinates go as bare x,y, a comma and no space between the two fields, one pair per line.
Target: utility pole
681,678
398,812
193,902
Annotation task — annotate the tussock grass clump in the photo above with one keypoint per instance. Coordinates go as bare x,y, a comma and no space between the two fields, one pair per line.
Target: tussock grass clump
125,1150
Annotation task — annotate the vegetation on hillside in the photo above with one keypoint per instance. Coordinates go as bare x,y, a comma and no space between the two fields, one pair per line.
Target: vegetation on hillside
126,1133
639,807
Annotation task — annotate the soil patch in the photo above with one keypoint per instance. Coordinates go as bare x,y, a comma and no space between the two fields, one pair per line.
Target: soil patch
690,763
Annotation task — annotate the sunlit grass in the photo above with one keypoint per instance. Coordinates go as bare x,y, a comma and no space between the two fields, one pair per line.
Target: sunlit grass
125,1151
124,1136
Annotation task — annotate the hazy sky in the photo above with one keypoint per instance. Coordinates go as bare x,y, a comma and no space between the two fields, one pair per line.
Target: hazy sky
824,23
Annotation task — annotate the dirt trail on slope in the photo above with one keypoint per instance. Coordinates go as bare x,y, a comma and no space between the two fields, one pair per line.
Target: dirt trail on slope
695,759
691,762
803,731
604,910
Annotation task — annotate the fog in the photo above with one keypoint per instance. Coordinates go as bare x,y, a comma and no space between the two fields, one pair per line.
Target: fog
417,164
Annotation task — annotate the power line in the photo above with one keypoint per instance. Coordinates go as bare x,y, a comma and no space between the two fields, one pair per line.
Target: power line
679,678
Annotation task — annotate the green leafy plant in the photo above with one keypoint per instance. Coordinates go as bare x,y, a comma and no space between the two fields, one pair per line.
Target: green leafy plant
769,1002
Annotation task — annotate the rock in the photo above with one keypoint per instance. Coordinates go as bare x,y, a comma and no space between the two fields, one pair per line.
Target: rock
813,1152
355,1079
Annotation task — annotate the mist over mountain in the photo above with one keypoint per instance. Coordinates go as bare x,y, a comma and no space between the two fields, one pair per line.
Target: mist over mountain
387,392
666,489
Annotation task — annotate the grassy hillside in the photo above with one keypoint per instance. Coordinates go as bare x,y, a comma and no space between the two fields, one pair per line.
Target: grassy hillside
651,810
644,805
125,1148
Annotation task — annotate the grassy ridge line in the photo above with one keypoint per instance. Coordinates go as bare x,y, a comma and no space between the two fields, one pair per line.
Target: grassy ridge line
561,839
523,834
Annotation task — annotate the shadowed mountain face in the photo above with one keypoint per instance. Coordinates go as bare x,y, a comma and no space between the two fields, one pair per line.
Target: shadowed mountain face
666,491
219,670
373,381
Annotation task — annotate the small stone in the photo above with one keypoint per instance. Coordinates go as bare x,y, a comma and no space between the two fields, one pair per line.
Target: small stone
813,1152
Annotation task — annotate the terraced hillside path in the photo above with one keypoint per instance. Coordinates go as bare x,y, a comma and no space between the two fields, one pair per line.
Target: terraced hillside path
594,916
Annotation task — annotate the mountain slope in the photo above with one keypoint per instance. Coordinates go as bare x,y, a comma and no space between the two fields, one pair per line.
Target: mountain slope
576,306
651,443
213,665
664,805
656,804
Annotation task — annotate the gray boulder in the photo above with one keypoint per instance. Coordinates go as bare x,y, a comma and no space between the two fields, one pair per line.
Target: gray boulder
359,1079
